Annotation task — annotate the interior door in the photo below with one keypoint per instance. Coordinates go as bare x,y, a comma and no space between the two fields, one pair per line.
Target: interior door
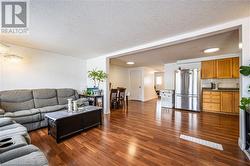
135,85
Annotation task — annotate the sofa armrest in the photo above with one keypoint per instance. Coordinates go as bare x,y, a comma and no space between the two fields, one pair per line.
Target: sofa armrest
5,121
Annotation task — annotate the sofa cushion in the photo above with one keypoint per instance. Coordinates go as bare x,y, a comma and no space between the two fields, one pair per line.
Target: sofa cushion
52,108
64,94
45,110
17,140
45,97
14,129
15,100
25,116
26,155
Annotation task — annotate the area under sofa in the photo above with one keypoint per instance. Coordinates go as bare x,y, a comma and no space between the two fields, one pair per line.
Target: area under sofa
28,107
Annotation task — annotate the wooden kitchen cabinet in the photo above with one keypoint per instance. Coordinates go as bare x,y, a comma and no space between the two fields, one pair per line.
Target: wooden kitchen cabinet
227,102
236,102
224,68
211,101
236,67
208,69
220,101
220,68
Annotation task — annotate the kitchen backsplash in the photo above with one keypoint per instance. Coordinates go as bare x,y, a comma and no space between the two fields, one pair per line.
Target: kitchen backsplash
222,83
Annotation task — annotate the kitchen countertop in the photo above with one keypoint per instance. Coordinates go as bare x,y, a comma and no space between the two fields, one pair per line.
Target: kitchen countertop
222,89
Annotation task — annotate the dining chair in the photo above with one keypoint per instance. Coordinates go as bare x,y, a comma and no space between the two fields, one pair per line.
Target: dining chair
113,98
121,96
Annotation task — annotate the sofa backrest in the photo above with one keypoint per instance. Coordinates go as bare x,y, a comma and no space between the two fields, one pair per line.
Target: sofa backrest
64,94
45,97
15,100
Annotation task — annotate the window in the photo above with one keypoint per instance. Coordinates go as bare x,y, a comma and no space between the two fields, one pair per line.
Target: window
158,80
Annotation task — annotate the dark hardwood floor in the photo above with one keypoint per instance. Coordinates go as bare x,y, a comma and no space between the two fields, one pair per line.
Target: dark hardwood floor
148,135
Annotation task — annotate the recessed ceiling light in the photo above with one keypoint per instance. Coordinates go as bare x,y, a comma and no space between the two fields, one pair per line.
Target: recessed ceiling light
210,50
240,45
130,63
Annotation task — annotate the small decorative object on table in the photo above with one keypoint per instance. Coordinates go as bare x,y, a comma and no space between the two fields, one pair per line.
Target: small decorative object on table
97,76
95,100
75,108
69,104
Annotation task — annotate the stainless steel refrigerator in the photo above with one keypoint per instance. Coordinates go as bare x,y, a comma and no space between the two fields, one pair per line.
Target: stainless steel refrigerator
187,89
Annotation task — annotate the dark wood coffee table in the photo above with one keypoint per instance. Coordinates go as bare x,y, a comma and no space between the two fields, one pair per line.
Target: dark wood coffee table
62,124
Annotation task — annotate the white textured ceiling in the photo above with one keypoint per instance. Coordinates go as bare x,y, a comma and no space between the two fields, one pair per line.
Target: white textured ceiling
85,28
228,42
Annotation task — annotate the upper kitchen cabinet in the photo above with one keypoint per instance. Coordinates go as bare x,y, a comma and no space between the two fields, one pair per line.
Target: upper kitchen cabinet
220,68
208,69
236,68
224,68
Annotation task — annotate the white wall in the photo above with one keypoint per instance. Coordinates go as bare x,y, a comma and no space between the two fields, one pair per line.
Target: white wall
100,63
148,84
41,69
118,76
169,75
159,74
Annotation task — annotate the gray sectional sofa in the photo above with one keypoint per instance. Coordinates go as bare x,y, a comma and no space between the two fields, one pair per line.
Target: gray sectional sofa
15,147
28,107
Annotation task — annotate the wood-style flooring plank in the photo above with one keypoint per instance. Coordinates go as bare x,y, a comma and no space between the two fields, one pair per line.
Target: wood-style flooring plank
145,134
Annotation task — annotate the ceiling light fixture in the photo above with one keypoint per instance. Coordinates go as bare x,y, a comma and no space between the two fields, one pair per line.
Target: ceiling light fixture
130,63
3,48
211,50
13,58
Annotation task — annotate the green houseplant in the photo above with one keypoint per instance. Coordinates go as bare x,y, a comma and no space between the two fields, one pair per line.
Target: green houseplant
97,76
245,101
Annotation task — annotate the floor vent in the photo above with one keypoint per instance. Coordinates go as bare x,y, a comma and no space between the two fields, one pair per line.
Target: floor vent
202,142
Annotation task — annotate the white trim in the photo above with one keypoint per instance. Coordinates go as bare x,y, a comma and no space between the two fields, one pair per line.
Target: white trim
207,58
241,145
247,152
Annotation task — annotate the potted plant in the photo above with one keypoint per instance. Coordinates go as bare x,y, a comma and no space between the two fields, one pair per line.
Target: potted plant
245,101
97,76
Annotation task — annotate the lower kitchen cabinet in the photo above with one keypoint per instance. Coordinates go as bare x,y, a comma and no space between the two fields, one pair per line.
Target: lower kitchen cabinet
227,102
236,102
211,101
220,101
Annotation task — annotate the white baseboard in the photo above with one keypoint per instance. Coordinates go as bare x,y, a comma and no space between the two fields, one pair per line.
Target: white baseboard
241,144
242,147
247,152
